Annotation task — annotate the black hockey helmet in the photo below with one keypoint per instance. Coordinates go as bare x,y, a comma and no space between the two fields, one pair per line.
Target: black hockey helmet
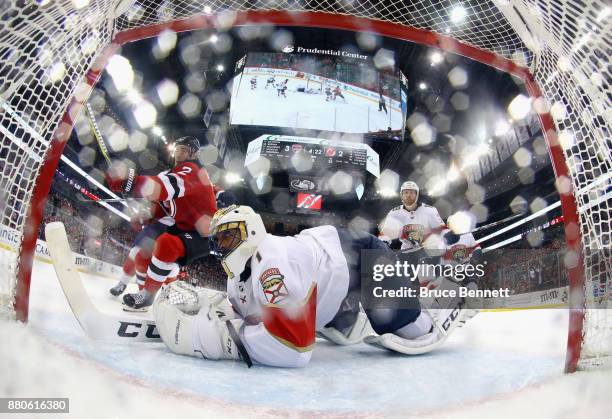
192,142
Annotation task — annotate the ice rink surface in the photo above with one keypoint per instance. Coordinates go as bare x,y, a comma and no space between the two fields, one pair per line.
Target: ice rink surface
500,363
264,106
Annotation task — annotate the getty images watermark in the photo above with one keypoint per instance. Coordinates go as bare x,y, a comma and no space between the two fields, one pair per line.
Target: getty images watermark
391,281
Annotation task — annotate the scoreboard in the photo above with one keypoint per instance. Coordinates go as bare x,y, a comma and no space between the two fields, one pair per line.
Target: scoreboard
324,153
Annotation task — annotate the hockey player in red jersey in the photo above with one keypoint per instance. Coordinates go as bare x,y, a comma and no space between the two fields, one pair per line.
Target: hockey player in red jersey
187,194
338,93
139,256
283,290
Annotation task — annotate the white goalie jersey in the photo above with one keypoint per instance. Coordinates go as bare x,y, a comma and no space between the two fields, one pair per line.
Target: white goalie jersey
411,227
295,287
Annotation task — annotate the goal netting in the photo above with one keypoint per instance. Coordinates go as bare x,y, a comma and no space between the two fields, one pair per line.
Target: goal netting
51,53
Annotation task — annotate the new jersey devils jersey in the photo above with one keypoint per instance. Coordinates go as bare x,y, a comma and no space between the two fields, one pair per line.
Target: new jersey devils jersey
293,287
411,226
186,194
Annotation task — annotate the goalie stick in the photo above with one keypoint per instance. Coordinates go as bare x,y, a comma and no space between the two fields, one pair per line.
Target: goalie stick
97,325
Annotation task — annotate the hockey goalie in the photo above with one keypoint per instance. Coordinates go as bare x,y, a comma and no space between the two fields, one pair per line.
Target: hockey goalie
281,291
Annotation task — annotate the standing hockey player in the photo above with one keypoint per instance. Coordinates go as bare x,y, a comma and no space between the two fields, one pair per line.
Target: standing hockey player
188,192
253,83
338,93
137,261
328,94
410,223
284,289
382,106
282,88
270,82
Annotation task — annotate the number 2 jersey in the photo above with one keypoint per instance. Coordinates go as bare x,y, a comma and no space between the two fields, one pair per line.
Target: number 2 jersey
293,287
408,226
185,192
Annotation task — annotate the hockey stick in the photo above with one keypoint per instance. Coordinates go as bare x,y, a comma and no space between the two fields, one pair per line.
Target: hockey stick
85,198
97,134
97,325
102,145
495,223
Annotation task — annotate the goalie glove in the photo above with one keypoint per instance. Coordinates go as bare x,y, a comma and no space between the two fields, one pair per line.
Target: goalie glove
216,337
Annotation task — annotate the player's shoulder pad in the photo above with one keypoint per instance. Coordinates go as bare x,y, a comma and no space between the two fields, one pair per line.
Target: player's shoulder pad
399,207
430,208
187,167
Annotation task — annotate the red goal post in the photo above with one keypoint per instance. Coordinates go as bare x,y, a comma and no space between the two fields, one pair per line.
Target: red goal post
38,114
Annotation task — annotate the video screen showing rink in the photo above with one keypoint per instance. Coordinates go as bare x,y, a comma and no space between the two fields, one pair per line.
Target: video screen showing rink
309,92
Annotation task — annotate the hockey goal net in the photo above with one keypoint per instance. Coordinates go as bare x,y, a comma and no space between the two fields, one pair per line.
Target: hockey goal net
51,53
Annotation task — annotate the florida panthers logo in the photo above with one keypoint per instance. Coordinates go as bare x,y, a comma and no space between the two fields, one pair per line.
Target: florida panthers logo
412,232
458,253
274,289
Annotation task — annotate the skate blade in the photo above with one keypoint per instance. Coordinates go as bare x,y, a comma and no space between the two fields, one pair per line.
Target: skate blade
135,310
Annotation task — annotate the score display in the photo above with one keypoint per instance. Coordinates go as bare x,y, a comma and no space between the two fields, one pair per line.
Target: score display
324,153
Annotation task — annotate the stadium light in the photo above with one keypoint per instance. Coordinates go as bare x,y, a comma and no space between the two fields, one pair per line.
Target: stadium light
387,192
482,132
120,70
458,14
453,173
422,85
436,58
220,68
482,149
231,177
157,131
501,127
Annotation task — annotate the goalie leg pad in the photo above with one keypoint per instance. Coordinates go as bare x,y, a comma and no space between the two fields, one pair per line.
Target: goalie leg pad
446,314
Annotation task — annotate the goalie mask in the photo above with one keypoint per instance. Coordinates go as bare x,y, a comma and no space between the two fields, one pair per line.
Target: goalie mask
410,186
235,233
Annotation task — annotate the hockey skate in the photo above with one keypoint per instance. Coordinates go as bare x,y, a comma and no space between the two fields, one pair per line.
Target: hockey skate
118,289
137,302
352,335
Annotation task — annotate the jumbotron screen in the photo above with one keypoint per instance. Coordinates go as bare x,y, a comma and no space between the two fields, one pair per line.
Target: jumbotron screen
316,89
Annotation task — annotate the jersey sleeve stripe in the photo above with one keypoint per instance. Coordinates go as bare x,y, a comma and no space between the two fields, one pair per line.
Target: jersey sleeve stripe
179,185
170,191
296,332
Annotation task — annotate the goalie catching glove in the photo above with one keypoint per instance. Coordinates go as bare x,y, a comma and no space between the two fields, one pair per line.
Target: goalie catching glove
198,322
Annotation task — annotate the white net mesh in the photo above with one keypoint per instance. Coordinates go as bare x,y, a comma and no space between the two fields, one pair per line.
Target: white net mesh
46,49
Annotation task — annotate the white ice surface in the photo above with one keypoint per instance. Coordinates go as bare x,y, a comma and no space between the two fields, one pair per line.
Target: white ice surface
507,364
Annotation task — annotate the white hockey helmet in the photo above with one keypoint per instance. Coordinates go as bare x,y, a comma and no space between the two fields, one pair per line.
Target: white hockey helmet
235,233
412,186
